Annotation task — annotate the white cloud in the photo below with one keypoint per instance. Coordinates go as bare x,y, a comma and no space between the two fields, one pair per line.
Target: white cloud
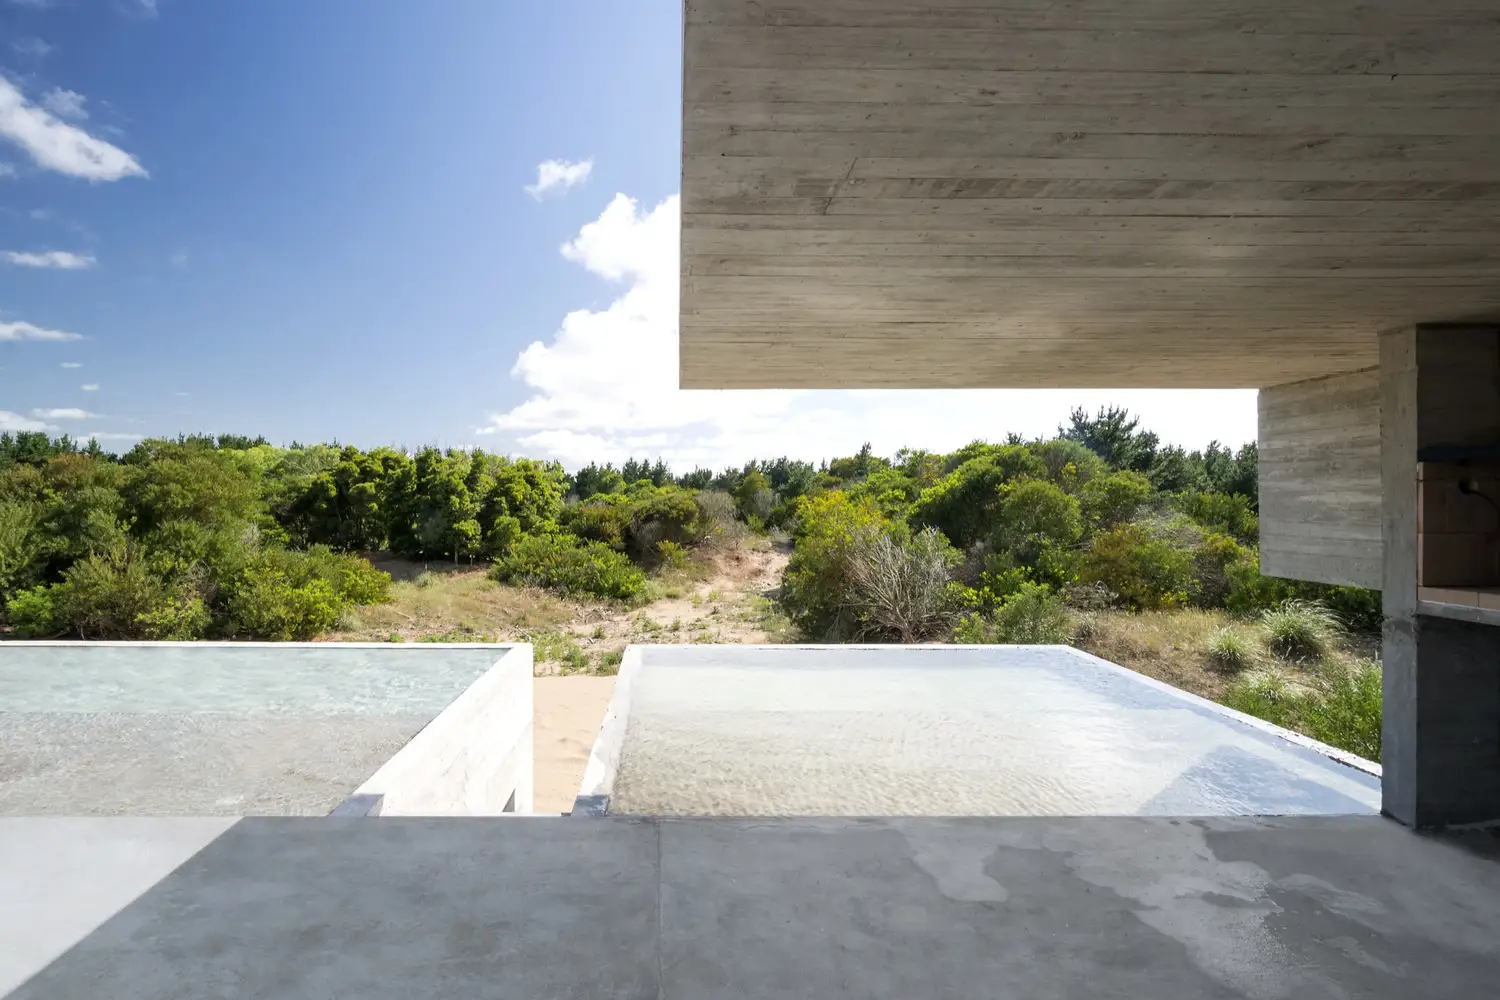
8,169
15,422
180,259
28,331
604,387
72,364
56,145
56,259
555,175
62,413
65,103
102,436
90,387
31,48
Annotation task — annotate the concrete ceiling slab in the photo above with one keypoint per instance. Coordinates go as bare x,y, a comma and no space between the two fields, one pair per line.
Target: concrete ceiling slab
1098,193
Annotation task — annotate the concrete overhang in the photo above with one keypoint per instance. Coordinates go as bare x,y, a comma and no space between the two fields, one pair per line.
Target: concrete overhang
1091,193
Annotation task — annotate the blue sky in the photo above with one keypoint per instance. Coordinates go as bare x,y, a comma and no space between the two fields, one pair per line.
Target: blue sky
312,221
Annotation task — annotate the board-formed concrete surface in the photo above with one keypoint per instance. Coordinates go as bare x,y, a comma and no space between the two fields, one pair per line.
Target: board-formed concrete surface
1318,908
1092,193
945,731
215,729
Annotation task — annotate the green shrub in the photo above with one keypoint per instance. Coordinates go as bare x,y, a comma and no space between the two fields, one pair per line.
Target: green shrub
963,504
565,564
753,497
1146,571
668,514
38,613
815,586
110,593
609,662
1249,591
1033,615
1035,520
1231,650
993,586
1226,513
604,519
179,547
352,577
184,619
22,547
1267,697
670,555
1300,630
1069,464
426,578
266,603
1114,498
1347,712
1343,709
1214,560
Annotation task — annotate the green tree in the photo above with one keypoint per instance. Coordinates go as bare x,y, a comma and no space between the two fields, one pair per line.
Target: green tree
1112,435
1114,498
964,503
591,480
21,548
753,497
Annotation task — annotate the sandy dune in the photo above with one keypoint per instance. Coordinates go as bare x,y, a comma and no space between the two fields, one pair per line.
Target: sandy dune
569,711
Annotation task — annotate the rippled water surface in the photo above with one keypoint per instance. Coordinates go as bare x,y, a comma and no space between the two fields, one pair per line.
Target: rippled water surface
1033,731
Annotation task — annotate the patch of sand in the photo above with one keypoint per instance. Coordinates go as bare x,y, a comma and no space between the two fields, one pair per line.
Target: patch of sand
728,606
569,711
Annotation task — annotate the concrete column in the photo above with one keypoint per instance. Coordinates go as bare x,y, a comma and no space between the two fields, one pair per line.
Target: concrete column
1440,388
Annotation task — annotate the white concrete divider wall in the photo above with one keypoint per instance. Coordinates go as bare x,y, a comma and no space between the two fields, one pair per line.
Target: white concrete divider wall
599,774
474,759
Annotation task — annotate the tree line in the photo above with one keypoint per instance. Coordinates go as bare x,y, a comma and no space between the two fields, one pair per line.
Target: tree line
230,535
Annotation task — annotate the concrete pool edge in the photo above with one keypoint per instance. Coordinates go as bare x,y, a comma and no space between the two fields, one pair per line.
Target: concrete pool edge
442,771
598,783
596,791
461,745
1333,753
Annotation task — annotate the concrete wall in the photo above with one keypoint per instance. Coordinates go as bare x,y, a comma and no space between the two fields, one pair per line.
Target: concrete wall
1320,480
598,784
474,759
1026,193
1440,731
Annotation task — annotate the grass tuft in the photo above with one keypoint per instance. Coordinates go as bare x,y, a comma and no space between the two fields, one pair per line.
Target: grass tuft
1230,649
1301,630
1342,707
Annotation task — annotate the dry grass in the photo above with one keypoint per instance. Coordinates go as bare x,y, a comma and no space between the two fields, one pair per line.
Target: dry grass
455,603
1173,646
718,595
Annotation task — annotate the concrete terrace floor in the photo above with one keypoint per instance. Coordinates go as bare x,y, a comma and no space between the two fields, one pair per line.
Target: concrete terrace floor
211,729
1338,907
949,731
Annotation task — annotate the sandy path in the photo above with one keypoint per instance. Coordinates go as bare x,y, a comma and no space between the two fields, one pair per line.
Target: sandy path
569,711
